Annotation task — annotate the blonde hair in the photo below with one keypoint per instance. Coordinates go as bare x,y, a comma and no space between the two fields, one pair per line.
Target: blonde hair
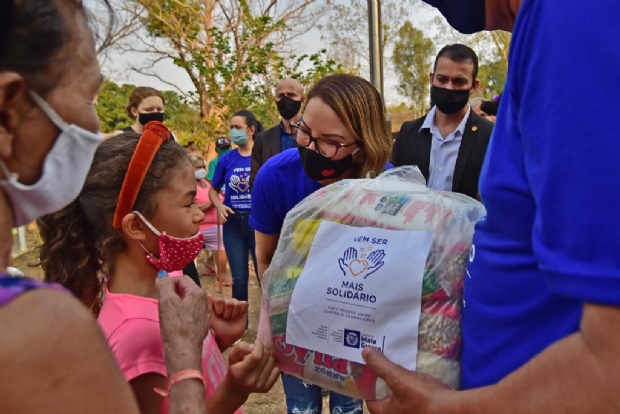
359,106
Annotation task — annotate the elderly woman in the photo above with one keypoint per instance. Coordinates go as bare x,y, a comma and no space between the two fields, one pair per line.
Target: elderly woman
54,357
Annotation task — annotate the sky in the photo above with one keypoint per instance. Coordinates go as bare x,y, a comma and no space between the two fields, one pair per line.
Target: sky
117,66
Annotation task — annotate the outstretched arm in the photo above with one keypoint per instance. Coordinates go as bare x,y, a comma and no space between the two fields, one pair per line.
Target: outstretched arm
56,360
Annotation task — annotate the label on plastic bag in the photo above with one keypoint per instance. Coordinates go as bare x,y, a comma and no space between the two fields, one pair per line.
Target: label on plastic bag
360,287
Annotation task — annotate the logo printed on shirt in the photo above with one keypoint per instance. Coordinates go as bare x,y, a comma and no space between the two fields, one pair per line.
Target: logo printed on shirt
239,182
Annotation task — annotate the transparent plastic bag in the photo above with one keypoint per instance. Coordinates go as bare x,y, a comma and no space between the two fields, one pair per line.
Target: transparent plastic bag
398,199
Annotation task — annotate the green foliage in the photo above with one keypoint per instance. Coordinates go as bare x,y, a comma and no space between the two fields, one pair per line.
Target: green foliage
412,59
111,104
492,78
346,30
229,51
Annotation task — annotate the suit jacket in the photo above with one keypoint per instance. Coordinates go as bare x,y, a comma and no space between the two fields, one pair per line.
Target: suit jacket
413,147
266,145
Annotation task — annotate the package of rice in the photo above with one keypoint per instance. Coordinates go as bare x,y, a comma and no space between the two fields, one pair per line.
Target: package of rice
370,263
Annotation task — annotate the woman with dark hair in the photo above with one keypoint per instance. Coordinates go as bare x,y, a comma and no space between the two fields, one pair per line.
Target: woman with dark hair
54,358
232,174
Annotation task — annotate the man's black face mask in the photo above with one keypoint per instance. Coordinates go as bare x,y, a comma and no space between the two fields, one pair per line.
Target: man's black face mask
466,16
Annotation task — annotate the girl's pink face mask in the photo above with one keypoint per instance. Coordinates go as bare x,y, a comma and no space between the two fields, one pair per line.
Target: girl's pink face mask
174,253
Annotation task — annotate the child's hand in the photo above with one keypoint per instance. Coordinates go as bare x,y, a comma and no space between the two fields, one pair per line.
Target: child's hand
229,320
252,368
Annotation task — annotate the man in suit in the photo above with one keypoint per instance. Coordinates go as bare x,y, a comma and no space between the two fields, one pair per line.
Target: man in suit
289,99
450,142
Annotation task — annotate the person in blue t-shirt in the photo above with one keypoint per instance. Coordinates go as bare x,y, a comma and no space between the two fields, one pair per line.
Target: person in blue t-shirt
541,317
343,134
232,173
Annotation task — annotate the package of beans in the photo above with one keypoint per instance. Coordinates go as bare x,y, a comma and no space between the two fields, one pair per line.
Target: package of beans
370,263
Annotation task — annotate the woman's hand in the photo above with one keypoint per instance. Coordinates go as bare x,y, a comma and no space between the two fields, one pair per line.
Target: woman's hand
223,212
252,368
184,317
229,320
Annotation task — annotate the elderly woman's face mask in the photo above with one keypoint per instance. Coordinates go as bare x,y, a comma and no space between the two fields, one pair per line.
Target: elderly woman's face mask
64,171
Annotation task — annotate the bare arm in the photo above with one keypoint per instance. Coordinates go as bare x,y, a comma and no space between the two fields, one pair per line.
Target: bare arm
148,400
266,245
55,359
222,210
214,196
578,374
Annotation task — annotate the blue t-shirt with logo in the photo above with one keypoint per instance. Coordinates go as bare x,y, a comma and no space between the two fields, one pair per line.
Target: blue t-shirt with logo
550,184
232,174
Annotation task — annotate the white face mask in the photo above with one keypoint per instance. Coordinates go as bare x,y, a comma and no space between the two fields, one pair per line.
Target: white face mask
64,171
200,174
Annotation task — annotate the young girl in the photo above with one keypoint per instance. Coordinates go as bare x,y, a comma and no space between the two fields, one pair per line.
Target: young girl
210,229
136,217
233,174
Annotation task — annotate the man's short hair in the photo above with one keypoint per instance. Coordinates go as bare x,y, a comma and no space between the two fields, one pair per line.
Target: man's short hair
190,143
459,53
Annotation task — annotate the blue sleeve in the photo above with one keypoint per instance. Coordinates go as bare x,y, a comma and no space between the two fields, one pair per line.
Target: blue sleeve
265,216
219,176
568,110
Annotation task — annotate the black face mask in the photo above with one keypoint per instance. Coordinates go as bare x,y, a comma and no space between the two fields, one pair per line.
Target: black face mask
288,107
449,101
466,16
144,119
319,168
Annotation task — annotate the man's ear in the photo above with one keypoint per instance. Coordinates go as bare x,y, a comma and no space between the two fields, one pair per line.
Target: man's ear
13,101
475,86
133,227
431,76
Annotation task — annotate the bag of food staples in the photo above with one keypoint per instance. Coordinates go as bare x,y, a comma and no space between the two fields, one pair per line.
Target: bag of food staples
370,262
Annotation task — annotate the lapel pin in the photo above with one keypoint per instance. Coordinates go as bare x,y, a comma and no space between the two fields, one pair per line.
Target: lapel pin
474,128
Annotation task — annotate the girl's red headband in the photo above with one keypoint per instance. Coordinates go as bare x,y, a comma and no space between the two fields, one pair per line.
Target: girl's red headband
154,135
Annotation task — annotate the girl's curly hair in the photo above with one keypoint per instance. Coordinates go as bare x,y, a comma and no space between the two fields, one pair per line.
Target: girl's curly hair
79,243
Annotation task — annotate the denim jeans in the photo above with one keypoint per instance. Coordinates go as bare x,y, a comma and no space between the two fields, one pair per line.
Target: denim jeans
238,242
305,398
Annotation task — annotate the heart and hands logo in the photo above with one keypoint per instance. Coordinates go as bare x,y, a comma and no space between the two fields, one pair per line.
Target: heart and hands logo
239,183
234,182
364,265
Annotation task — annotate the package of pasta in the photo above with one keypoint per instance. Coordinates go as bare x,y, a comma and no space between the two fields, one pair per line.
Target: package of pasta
370,263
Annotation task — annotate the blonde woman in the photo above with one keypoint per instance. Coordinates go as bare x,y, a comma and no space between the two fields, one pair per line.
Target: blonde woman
343,134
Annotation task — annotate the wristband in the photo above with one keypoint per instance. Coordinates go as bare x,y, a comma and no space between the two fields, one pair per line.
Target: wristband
179,377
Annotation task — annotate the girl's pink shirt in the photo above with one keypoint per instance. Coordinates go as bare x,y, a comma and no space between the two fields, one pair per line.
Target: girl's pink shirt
131,326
